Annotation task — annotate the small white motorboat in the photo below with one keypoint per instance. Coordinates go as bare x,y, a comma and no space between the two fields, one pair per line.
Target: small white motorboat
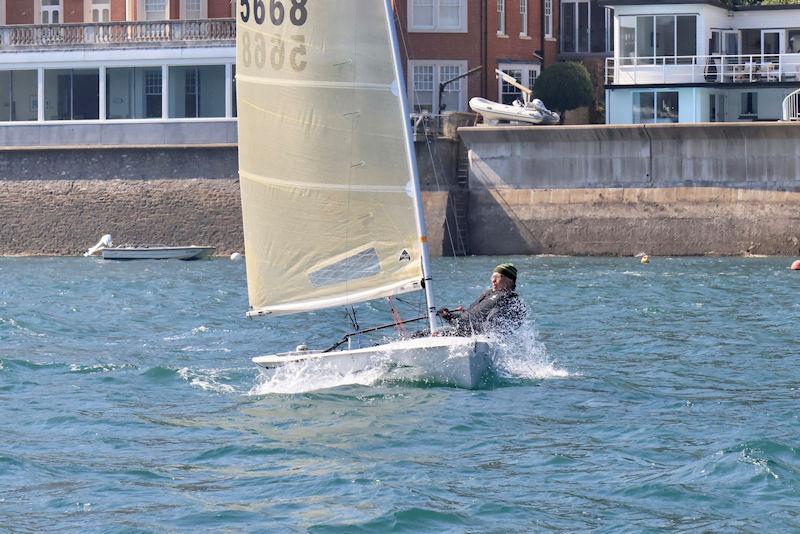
148,252
532,111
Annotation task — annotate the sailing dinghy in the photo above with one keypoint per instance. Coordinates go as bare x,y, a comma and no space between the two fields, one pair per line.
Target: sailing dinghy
331,200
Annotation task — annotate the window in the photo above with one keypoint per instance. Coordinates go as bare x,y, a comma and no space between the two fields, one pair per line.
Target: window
523,18
437,15
155,9
501,17
525,74
101,11
133,93
575,26
716,108
197,91
191,93
152,93
422,82
71,94
18,100
548,18
749,105
655,106
51,12
425,81
451,95
234,111
662,39
793,42
193,9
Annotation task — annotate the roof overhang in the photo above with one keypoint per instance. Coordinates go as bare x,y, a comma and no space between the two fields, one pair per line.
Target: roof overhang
715,3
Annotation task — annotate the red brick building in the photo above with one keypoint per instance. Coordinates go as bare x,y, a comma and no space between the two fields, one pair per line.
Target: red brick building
443,39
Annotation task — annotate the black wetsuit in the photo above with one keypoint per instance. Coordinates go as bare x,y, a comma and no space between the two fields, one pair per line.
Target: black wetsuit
498,312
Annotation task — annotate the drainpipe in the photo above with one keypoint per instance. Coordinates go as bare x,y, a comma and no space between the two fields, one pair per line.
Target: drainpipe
541,34
484,52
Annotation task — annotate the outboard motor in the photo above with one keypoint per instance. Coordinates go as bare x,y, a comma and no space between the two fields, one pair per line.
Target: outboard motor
105,242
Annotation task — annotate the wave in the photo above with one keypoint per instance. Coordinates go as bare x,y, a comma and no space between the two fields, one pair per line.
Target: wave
98,368
207,379
200,330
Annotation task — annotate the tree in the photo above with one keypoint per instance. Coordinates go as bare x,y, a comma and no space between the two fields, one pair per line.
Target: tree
564,86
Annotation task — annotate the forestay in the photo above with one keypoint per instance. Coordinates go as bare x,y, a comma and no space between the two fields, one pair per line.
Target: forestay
326,184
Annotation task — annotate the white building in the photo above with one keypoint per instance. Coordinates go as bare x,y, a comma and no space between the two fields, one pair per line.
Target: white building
126,82
702,61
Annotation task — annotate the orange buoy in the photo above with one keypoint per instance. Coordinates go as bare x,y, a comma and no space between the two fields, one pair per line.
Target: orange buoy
795,265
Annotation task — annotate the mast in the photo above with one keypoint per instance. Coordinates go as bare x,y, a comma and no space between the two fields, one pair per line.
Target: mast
412,163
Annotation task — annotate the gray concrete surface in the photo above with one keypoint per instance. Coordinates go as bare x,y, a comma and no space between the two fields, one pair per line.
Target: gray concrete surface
70,133
620,190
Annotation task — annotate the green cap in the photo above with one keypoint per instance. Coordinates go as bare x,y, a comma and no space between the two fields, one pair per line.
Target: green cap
507,269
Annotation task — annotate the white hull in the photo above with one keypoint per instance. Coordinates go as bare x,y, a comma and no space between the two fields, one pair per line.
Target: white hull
458,361
493,111
157,253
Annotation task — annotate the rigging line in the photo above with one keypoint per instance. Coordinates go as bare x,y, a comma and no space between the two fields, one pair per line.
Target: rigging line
428,143
397,319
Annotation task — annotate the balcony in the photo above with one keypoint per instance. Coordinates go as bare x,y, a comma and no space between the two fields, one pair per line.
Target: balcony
46,36
678,70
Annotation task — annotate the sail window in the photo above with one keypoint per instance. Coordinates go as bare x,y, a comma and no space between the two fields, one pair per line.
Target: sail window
361,265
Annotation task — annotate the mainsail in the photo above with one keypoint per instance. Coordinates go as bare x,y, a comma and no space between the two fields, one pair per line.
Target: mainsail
328,197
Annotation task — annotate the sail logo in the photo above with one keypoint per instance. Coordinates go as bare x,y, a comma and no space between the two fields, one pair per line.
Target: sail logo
404,256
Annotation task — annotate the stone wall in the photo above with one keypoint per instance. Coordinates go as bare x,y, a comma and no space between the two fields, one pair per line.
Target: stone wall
59,201
620,190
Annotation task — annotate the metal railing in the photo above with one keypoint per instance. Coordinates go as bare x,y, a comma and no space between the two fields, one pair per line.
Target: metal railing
791,106
703,69
111,33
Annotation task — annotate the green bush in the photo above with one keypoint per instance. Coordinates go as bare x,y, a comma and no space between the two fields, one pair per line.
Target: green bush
564,86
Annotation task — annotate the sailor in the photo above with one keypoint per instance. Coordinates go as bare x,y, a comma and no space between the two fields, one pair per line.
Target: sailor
498,310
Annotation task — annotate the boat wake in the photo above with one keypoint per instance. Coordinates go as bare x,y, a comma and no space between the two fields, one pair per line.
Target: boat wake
315,375
523,357
215,380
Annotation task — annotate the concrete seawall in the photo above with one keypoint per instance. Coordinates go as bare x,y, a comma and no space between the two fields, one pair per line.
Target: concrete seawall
663,189
620,190
60,200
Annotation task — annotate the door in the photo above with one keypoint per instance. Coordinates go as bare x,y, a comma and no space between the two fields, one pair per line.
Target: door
51,12
771,45
730,51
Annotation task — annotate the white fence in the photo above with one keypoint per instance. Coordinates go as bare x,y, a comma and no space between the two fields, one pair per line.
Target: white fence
53,35
791,106
702,69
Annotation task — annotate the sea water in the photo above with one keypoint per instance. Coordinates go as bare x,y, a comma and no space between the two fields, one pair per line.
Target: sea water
636,398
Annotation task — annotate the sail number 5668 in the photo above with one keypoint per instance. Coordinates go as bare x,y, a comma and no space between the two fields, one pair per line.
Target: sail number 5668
298,12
